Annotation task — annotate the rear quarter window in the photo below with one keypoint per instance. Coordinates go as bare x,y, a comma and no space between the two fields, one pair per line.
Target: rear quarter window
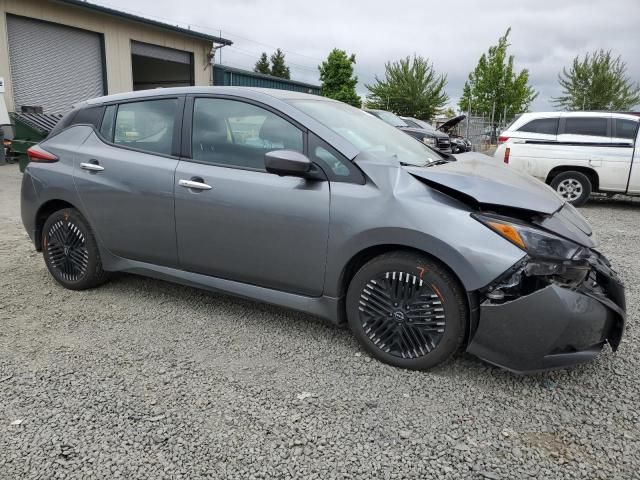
90,116
548,126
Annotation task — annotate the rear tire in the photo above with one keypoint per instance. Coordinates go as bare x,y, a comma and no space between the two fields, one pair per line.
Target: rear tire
407,310
70,251
574,187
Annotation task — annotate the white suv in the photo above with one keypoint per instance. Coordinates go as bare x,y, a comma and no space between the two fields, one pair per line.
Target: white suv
575,152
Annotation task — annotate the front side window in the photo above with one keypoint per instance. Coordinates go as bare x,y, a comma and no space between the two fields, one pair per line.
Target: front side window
548,126
594,126
238,134
626,128
146,125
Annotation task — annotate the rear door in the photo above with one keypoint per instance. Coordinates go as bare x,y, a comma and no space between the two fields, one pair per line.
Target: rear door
586,142
242,223
124,174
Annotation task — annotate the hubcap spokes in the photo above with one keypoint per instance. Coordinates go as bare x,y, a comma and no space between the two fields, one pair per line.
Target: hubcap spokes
402,315
570,189
67,250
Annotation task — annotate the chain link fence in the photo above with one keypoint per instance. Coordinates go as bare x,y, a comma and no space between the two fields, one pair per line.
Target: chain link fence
482,134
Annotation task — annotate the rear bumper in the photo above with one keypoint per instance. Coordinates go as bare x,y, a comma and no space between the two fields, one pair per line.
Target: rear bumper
28,205
552,328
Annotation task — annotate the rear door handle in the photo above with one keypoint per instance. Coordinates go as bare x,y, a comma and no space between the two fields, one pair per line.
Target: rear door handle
194,184
92,167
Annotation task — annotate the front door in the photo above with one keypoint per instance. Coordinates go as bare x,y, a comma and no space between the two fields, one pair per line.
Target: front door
239,222
125,178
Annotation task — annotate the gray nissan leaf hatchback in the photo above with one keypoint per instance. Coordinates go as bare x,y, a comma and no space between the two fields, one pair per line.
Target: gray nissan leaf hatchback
308,203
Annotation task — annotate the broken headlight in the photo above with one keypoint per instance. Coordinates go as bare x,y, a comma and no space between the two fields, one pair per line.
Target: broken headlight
536,242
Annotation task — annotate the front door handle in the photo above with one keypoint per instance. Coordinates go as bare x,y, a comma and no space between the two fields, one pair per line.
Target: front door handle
92,167
194,184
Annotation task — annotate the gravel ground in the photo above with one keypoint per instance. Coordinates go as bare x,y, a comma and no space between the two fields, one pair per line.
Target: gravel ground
145,379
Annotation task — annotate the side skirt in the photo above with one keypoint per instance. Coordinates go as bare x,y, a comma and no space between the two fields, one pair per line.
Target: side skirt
327,308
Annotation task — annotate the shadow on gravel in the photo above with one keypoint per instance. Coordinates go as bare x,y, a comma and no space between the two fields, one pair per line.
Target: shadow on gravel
290,322
622,202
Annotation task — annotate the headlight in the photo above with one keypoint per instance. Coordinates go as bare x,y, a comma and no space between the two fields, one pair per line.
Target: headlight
536,242
429,141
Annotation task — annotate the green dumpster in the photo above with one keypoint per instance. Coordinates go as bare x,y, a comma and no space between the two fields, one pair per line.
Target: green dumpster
30,128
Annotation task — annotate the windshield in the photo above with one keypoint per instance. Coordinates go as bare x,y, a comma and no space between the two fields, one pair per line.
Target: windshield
390,118
425,126
367,133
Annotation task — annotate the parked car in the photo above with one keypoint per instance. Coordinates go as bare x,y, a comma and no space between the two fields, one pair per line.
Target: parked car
577,153
461,144
458,144
427,136
309,203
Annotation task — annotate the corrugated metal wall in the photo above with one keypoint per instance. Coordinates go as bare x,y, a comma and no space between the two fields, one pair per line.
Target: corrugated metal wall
228,76
67,61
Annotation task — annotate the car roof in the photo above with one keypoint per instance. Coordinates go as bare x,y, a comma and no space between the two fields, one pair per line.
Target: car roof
591,113
236,91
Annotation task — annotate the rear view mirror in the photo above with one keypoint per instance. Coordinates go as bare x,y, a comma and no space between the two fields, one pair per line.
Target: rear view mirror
287,163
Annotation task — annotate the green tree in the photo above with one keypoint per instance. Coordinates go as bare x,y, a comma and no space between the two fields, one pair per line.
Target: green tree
262,65
494,89
447,112
597,82
278,67
411,88
338,80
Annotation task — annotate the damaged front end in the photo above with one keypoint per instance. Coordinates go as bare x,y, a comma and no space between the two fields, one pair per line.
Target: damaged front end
556,307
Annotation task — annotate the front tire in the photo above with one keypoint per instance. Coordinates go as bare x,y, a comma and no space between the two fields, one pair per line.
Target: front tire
574,187
70,251
407,310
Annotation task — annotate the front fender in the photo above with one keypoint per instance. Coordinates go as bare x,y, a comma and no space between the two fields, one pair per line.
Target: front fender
415,216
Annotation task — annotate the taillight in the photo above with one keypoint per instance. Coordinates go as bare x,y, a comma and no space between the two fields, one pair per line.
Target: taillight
507,152
39,154
502,140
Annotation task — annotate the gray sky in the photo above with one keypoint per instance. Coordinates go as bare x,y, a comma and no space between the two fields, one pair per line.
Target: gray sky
546,34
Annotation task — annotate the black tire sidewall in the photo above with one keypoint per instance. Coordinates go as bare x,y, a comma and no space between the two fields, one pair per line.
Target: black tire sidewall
453,301
94,266
579,177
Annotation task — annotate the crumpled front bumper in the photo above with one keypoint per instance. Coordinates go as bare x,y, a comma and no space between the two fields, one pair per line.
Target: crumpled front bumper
553,327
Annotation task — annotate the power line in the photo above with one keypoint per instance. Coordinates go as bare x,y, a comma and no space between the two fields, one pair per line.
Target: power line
208,29
251,54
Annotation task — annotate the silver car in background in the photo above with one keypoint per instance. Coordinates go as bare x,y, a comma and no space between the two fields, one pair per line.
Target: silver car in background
309,203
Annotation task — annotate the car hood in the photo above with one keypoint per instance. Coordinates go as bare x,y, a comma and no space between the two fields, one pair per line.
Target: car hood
490,182
424,132
452,122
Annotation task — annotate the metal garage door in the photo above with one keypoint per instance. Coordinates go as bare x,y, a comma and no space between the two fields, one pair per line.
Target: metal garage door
53,66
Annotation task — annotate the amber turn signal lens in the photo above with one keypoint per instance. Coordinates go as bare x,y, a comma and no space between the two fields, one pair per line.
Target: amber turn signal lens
508,232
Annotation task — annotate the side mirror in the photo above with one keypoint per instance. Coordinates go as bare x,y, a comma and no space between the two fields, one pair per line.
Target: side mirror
288,163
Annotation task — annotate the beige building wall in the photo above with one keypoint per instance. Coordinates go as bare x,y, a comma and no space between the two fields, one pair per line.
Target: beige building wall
117,32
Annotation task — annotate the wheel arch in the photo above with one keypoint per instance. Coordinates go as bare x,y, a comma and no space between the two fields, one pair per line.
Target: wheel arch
591,174
359,259
44,212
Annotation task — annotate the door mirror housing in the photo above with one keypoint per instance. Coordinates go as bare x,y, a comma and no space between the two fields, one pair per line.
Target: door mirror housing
289,163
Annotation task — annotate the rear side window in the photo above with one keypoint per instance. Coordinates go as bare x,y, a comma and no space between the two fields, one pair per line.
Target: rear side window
146,125
547,126
595,126
626,128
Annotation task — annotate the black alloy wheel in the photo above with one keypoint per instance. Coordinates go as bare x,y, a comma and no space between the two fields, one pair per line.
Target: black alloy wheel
401,314
70,251
407,310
